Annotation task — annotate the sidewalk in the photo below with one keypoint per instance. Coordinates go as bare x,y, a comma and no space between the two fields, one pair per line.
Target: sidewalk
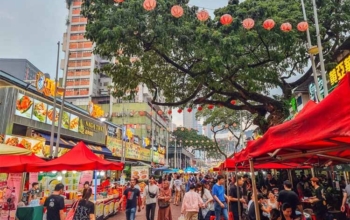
175,211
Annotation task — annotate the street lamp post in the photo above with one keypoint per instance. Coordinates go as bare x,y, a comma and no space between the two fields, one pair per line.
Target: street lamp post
319,45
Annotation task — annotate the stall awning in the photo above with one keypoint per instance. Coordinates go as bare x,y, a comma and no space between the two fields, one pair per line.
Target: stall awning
65,143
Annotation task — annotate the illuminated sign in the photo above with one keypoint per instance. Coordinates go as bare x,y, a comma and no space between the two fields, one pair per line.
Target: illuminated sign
47,86
95,110
339,71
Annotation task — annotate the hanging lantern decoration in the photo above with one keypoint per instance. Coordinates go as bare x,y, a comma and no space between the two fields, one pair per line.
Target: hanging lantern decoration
303,26
200,108
189,110
286,27
248,23
233,102
149,5
179,110
269,24
210,106
160,112
182,129
226,19
177,11
170,112
118,1
203,15
226,125
141,113
234,124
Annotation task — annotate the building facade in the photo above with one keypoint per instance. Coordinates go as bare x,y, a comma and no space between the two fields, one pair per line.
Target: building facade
22,69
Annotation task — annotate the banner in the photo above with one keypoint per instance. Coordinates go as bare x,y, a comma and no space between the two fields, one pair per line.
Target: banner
85,176
155,157
140,172
33,178
115,146
144,154
11,195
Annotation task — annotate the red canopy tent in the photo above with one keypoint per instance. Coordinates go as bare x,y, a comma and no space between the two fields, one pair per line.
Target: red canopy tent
18,163
320,131
79,158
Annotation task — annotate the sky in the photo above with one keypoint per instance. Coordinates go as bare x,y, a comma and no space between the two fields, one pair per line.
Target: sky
32,32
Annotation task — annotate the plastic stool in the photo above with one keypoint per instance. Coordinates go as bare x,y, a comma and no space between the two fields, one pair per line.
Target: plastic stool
230,216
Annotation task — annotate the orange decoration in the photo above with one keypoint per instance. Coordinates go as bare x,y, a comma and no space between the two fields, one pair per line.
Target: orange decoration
170,112
303,26
286,27
189,109
118,1
269,24
160,112
233,102
149,5
203,15
248,23
179,110
141,113
226,19
177,11
210,106
200,108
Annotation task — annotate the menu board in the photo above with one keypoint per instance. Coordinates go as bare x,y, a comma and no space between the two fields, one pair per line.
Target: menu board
39,111
115,146
48,181
50,116
74,123
140,172
24,106
35,145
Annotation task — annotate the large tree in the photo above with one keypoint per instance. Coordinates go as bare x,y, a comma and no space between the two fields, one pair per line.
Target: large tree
198,63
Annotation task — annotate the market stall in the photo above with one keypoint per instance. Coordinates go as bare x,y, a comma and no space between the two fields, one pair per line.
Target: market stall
10,150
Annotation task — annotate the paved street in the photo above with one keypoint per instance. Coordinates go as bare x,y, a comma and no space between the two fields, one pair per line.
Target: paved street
175,210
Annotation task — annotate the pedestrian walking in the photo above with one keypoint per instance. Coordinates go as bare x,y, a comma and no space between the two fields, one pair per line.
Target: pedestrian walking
220,198
164,197
150,195
191,204
208,207
55,204
133,199
85,209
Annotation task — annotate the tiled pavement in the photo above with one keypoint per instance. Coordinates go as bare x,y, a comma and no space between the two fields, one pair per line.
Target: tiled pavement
175,211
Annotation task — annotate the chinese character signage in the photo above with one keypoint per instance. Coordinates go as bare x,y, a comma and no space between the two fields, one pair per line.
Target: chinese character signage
339,71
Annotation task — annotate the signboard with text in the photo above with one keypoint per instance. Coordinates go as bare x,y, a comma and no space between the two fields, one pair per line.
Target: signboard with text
336,74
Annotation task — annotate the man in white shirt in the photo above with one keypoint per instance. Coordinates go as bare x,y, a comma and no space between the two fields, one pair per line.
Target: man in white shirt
150,195
177,186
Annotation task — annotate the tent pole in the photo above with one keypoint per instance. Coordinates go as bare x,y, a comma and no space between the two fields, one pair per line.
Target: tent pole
95,188
227,190
238,195
255,191
312,172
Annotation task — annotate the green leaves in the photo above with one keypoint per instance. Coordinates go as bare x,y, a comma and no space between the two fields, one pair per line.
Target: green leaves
229,62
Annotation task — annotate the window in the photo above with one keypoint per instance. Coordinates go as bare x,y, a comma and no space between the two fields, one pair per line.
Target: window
78,19
79,63
299,101
77,36
76,11
78,27
79,72
105,84
80,54
80,45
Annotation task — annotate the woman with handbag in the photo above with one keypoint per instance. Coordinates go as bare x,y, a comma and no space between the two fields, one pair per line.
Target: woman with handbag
164,211
85,209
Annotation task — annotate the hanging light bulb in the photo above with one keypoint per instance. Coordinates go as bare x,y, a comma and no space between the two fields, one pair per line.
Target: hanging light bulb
102,173
74,172
54,172
59,178
64,172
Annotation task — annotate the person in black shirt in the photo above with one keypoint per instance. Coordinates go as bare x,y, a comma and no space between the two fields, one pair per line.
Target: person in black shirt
289,196
233,197
318,200
133,199
85,209
270,182
55,204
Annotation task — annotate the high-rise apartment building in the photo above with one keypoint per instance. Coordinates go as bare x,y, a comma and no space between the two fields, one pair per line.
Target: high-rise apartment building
81,83
189,119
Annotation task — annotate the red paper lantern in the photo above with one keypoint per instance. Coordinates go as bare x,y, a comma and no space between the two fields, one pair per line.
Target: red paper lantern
170,112
269,24
233,102
177,11
149,5
200,108
226,19
248,23
303,26
203,15
286,27
189,109
160,112
118,1
179,110
141,113
210,106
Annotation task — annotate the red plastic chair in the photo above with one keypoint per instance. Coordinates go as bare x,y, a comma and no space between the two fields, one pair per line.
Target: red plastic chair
230,217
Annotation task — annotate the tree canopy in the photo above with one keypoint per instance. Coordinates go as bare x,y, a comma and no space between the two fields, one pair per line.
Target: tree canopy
195,63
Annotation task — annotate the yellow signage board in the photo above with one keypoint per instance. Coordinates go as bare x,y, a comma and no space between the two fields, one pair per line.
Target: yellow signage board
339,71
47,86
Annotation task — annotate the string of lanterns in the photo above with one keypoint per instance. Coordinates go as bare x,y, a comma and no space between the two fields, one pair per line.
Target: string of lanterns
177,11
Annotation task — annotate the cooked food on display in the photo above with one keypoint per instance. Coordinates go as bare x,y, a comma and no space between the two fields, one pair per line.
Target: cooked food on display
26,144
13,141
74,123
37,148
65,120
23,104
50,115
40,111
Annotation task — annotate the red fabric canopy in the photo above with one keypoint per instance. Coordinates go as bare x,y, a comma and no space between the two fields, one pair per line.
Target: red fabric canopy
79,158
320,131
231,164
17,163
